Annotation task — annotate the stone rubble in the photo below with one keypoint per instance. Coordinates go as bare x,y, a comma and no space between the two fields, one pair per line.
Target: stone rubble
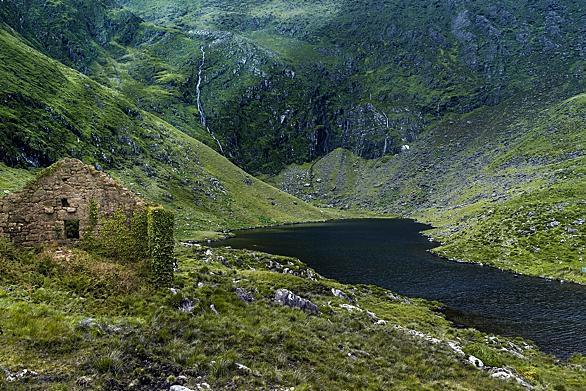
500,373
20,375
244,295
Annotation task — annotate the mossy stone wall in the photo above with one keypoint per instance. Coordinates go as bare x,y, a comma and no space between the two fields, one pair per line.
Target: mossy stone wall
69,190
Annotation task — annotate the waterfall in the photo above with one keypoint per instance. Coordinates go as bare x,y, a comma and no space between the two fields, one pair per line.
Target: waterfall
385,148
386,135
202,116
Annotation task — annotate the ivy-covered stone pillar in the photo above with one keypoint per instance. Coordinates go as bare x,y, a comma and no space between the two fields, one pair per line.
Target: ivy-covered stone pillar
161,241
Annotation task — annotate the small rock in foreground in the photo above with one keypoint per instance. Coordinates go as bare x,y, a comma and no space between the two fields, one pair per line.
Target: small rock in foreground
245,296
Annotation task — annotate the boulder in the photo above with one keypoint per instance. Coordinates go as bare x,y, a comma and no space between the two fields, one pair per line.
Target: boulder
84,381
198,387
289,299
476,362
187,305
177,387
88,323
341,295
350,308
21,375
507,374
243,368
553,224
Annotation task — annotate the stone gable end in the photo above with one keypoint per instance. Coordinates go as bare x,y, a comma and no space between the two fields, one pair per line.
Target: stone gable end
55,207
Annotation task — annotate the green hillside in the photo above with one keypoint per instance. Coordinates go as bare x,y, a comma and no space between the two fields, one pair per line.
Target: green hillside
371,75
504,186
455,113
286,82
51,111
468,115
79,321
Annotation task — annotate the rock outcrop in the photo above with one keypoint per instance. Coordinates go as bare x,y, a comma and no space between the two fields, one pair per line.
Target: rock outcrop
290,299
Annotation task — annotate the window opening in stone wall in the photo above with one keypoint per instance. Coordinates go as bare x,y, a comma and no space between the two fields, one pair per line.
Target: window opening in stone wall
64,202
71,229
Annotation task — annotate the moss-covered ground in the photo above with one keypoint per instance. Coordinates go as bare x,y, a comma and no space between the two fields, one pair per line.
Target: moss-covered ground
83,322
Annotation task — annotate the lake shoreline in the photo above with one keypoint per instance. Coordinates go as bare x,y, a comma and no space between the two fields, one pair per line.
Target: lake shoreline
495,273
425,232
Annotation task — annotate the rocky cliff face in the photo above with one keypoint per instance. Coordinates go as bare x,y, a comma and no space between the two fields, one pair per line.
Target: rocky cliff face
372,74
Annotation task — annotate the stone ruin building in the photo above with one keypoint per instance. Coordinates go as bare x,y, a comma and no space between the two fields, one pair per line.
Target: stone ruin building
57,206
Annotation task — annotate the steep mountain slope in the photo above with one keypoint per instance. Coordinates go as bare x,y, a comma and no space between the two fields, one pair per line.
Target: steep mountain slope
504,185
291,81
163,69
116,49
50,111
270,83
369,75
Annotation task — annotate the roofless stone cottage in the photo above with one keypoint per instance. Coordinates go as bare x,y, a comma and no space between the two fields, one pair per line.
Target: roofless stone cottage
57,206
70,199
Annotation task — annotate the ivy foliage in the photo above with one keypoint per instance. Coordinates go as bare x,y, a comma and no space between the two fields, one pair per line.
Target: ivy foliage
160,228
94,214
146,235
112,239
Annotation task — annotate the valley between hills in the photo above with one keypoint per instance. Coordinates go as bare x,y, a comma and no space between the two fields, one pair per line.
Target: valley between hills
467,116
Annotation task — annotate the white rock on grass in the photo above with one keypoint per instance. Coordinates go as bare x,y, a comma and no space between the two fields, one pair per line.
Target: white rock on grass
179,388
242,368
476,362
507,374
290,299
24,374
198,387
341,295
350,307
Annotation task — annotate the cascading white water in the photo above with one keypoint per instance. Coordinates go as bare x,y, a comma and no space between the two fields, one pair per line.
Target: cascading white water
202,116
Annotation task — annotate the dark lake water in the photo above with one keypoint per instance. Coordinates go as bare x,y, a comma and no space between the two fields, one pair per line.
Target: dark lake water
392,254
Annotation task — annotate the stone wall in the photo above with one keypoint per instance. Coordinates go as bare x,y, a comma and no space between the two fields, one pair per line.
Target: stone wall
60,196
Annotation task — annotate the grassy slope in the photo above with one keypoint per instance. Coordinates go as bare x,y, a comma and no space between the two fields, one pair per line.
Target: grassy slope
139,336
355,64
13,178
51,111
504,186
156,67
535,228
